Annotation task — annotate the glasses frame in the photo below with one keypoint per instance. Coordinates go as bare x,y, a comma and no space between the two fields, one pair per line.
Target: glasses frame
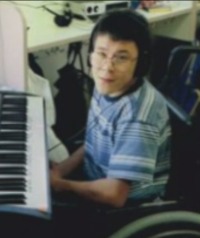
117,63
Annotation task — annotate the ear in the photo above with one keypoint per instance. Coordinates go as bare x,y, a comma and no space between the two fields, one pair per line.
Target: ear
143,64
89,60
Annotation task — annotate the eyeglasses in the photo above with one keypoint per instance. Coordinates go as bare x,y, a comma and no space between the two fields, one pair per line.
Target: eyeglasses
119,61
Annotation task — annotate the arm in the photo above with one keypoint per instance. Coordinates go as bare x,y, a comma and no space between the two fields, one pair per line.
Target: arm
112,192
69,165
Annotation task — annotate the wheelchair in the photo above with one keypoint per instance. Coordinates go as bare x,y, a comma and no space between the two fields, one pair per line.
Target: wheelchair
177,214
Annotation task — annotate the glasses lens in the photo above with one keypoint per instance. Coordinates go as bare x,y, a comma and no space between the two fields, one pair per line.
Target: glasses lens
118,61
97,59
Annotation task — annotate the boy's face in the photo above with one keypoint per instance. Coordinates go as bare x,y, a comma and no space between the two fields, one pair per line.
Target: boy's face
113,65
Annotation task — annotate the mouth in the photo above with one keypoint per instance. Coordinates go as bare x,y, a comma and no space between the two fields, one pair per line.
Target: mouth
106,80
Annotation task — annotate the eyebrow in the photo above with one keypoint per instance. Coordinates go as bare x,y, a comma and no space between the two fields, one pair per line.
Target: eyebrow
100,48
120,51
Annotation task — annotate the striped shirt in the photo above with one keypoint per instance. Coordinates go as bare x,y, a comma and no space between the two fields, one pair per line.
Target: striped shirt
128,138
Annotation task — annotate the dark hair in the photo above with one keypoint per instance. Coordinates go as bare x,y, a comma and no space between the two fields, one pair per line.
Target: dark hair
126,25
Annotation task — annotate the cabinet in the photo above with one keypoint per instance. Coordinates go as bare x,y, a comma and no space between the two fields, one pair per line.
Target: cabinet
178,23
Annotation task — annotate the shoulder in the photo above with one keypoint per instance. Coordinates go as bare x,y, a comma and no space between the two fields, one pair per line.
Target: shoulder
145,105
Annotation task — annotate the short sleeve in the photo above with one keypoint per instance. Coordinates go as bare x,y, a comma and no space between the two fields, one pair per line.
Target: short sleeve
135,151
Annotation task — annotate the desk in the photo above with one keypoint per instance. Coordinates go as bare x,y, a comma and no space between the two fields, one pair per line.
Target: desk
43,33
179,23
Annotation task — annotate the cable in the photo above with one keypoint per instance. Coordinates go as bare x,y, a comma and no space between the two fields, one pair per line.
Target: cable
95,120
55,146
49,10
75,135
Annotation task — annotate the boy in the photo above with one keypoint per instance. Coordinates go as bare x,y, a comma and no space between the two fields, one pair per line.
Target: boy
126,150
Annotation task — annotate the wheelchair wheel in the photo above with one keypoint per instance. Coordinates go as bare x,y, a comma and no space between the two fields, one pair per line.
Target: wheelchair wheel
176,224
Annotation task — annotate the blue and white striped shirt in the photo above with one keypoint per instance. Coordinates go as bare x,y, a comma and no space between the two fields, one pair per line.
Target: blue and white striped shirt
128,138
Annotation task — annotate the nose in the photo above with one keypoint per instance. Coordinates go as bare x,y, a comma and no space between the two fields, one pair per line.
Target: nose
107,64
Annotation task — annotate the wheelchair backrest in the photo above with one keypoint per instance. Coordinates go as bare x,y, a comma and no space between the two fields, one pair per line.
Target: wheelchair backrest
180,81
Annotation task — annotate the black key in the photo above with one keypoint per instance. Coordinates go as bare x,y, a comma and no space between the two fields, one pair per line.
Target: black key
13,170
14,109
13,126
12,198
12,187
16,158
12,161
13,180
14,101
12,155
13,136
14,117
13,146
12,158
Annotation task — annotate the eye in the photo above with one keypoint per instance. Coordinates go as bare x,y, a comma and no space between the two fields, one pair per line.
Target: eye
101,54
121,57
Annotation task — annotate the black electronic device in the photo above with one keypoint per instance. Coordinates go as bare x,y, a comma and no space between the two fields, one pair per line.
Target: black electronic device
61,20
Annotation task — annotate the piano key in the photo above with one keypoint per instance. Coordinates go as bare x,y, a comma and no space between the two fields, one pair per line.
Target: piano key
15,101
17,117
12,198
13,136
11,133
13,146
12,170
12,187
13,126
16,158
13,155
12,95
13,180
14,109
12,161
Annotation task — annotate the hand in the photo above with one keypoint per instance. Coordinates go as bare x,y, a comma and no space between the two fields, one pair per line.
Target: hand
55,178
52,164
